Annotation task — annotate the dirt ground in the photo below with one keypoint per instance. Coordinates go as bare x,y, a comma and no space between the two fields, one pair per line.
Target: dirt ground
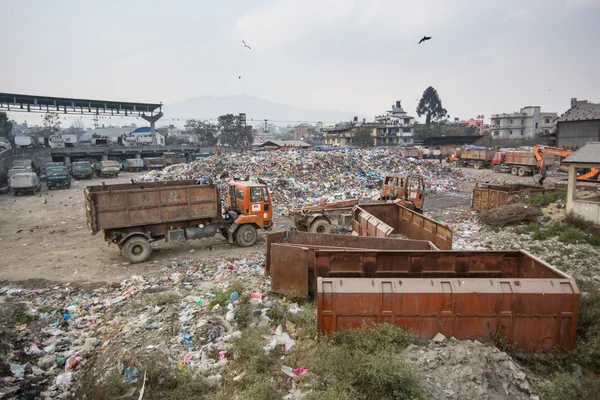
46,237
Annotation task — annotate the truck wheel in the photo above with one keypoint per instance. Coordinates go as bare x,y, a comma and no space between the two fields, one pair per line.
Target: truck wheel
320,226
246,235
496,168
455,164
522,171
514,170
478,165
137,250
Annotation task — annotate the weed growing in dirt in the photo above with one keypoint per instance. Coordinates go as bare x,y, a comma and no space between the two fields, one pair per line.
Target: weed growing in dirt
164,299
544,199
365,364
566,386
222,296
563,231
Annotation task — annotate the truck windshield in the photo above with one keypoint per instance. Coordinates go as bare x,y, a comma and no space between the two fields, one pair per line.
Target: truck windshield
255,194
110,164
57,171
81,165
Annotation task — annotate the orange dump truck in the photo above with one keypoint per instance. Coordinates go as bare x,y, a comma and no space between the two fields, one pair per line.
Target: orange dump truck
133,215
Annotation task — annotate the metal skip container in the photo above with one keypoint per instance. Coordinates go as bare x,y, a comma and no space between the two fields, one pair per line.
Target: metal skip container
468,295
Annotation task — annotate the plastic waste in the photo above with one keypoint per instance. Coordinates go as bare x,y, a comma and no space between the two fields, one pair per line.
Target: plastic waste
131,375
64,380
234,297
17,370
72,362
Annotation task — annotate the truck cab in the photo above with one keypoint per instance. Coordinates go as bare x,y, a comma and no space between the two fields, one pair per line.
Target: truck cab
407,188
252,201
57,176
82,169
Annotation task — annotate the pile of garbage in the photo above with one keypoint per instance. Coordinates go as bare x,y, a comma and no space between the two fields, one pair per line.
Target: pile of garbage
301,178
451,369
51,333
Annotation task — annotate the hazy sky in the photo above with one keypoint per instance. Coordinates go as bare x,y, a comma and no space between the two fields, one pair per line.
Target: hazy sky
485,56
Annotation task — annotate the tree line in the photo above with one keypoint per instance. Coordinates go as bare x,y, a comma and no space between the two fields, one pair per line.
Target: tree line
230,130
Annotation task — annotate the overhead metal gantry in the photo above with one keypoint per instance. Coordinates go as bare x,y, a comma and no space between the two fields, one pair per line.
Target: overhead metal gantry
44,104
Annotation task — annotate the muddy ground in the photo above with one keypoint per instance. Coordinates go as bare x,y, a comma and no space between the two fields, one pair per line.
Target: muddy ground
46,236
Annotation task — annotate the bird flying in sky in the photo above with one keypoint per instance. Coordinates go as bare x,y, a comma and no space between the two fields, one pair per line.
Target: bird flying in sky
245,45
424,39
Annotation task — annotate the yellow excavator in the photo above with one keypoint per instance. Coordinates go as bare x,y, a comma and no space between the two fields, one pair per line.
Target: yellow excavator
539,151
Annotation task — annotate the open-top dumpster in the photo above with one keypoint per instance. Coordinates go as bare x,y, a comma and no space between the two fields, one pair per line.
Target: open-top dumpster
383,220
290,258
468,295
485,197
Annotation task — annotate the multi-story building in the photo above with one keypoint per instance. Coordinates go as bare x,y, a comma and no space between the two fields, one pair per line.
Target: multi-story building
394,128
476,123
529,123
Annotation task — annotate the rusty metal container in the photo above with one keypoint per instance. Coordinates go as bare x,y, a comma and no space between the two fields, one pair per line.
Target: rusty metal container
472,154
486,196
468,295
383,220
290,256
126,205
521,158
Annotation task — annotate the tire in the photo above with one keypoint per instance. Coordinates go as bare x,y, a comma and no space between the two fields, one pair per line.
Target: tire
455,164
477,165
137,249
514,170
15,193
246,235
320,226
522,171
496,168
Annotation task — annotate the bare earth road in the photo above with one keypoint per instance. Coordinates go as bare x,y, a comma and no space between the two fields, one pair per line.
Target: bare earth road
47,238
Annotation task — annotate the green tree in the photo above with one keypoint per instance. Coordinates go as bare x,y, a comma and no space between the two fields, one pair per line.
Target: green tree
423,131
362,137
430,105
5,126
205,132
453,130
233,132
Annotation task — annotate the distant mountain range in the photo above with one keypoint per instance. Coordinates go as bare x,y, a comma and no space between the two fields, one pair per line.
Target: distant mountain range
205,107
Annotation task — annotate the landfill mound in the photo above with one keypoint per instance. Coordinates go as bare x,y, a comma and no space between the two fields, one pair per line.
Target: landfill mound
451,369
300,178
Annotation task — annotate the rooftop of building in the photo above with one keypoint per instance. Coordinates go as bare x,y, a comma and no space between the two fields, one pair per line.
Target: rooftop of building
581,112
588,154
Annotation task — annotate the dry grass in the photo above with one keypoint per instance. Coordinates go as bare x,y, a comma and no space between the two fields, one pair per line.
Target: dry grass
510,214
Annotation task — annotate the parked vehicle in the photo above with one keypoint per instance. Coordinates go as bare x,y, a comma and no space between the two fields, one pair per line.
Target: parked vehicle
52,164
134,164
24,142
411,152
4,144
429,152
19,169
100,142
70,140
57,176
25,182
477,157
132,216
173,158
154,163
410,189
107,168
56,142
82,169
406,190
22,163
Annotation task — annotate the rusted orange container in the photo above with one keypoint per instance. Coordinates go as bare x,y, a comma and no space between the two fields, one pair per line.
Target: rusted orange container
486,196
383,220
468,295
290,258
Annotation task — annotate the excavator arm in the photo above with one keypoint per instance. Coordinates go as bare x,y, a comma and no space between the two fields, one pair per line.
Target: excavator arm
538,153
